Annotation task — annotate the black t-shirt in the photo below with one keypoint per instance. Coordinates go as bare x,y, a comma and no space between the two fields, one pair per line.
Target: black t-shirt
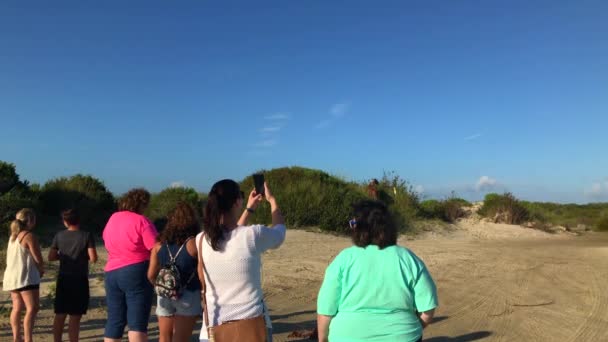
72,248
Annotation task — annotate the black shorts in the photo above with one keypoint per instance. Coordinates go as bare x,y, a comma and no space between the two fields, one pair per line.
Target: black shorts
72,294
28,288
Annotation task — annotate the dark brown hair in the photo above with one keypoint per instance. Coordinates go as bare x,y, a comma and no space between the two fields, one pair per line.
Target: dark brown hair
222,197
182,223
374,225
71,216
136,200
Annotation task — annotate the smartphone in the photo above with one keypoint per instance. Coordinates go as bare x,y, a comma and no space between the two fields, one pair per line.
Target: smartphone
258,181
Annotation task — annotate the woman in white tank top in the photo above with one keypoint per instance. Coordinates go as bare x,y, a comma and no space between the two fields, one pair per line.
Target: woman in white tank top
24,269
232,255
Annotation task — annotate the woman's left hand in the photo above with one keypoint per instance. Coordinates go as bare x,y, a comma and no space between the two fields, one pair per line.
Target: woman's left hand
254,200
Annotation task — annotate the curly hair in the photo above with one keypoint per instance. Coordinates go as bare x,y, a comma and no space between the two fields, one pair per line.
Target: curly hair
182,223
374,225
136,200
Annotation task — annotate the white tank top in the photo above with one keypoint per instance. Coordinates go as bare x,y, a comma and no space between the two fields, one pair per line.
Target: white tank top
21,270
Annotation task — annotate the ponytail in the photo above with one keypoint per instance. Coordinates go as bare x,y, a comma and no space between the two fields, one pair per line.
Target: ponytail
17,226
26,215
212,222
222,197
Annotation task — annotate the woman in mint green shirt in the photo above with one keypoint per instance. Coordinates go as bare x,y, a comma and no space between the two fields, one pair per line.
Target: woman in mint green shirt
375,290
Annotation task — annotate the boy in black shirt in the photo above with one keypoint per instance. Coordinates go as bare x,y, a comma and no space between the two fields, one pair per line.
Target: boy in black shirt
74,249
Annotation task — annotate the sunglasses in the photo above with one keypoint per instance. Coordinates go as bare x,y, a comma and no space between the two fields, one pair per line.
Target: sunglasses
352,223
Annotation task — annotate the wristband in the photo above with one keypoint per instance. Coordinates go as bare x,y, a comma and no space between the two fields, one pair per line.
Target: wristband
250,210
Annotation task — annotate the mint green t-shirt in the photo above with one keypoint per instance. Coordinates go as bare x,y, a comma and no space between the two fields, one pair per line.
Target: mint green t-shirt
373,294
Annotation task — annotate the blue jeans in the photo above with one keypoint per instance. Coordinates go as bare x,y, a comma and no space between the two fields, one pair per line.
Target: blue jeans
128,298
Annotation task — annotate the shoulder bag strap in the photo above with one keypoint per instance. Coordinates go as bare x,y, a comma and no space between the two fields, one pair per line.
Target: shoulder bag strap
201,266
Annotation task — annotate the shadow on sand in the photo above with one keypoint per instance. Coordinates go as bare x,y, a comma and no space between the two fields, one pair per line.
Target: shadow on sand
462,338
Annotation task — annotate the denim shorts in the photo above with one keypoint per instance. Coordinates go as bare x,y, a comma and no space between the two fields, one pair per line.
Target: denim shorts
188,305
129,299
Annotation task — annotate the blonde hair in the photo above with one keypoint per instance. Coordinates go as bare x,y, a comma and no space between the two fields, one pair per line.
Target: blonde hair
17,226
26,215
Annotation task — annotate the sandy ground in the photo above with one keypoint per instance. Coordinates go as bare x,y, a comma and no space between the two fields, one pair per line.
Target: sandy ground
496,283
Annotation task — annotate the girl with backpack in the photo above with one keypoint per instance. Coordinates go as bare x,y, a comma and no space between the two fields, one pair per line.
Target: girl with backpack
173,272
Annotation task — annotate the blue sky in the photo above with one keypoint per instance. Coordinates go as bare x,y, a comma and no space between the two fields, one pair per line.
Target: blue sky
471,96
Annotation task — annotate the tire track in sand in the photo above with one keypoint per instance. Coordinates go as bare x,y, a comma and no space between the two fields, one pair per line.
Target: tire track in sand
588,331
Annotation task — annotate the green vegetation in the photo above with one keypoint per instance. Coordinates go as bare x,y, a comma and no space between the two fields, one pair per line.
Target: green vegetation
308,198
400,197
602,224
567,215
14,193
166,200
504,209
447,210
84,192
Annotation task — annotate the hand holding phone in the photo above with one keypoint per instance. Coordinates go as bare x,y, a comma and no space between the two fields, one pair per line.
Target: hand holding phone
258,181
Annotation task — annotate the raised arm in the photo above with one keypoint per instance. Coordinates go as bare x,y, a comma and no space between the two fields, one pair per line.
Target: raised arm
252,204
277,217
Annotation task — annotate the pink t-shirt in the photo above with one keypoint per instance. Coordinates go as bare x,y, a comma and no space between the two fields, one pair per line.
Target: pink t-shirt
128,237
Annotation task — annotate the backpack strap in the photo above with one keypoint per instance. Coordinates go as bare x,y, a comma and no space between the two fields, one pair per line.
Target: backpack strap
171,257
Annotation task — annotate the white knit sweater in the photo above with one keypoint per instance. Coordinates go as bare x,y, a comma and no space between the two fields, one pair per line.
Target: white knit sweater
233,274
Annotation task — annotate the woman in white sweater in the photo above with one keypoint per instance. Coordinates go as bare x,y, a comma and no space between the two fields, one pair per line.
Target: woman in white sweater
232,252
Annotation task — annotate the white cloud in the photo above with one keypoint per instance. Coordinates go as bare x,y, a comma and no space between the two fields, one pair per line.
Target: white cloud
177,184
277,117
270,129
485,184
473,137
598,190
266,143
338,110
419,189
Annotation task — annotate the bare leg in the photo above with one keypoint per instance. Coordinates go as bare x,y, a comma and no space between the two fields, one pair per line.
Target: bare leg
138,336
58,327
165,328
183,328
31,299
74,327
18,306
106,339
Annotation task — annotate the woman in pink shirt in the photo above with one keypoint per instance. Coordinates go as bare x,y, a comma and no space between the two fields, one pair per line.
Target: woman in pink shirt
128,236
